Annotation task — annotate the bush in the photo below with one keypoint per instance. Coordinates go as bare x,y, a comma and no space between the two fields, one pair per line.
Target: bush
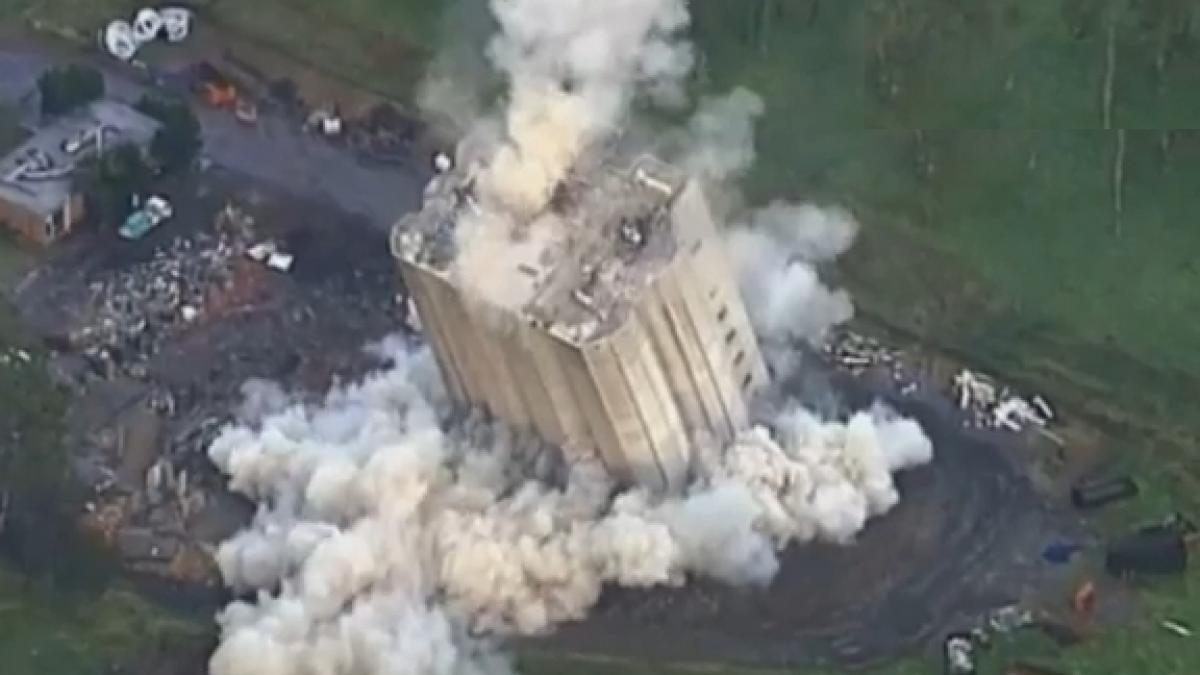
68,88
178,140
112,180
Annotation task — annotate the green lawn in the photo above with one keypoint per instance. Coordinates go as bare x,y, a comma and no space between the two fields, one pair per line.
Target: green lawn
45,632
1010,179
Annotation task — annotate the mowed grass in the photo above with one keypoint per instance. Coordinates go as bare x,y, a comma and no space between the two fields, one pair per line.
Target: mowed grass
970,139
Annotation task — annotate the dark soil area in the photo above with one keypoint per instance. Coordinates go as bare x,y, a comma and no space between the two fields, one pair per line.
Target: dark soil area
966,538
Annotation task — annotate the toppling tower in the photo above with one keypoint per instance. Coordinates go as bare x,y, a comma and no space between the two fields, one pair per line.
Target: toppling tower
610,323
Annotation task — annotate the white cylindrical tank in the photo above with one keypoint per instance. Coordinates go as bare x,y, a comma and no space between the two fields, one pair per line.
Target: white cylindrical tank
177,21
119,40
146,25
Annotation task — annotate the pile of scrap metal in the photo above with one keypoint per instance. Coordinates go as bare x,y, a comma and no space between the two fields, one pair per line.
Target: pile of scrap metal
1001,621
958,654
269,254
958,649
122,39
132,310
384,133
857,353
994,407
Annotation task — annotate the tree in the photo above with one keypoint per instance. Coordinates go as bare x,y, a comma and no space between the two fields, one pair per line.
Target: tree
39,499
178,139
67,88
111,181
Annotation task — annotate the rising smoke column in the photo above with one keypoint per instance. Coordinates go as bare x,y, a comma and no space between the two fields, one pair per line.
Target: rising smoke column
573,68
777,249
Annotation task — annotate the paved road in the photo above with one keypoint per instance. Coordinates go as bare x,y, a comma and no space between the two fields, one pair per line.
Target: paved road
274,151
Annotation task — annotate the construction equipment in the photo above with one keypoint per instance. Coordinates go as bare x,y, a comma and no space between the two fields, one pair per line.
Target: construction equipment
219,94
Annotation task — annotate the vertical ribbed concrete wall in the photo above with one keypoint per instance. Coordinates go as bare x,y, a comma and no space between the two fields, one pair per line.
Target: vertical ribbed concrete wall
678,370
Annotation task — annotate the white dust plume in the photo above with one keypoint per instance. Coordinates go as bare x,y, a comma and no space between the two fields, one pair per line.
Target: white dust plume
573,67
718,142
776,253
777,249
385,541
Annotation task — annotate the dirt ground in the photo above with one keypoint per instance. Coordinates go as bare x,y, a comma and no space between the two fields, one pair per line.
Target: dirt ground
966,538
139,429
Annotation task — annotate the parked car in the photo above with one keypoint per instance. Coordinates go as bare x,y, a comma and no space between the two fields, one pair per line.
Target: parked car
153,213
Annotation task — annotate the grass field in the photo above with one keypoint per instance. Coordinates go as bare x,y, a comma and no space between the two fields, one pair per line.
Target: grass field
44,632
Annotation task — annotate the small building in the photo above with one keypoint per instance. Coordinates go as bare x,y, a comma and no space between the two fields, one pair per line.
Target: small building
39,199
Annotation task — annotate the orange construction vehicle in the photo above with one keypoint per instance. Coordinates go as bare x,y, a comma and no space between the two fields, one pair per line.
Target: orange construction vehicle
219,94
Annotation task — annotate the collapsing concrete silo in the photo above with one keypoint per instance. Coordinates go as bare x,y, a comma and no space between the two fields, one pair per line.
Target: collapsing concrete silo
609,321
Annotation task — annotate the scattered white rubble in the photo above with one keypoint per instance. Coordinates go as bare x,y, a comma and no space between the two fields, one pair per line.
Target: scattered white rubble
280,262
857,353
1176,628
268,253
260,251
130,311
993,407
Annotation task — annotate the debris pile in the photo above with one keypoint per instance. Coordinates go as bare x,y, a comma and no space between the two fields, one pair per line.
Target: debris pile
134,309
857,353
995,407
384,133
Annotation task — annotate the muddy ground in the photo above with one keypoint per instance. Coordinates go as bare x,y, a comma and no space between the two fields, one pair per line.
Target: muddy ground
965,539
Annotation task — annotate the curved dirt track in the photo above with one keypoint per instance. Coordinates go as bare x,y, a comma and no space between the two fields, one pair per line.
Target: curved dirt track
965,538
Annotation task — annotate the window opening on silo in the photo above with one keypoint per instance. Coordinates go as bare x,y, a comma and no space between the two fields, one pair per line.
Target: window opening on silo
741,356
721,315
747,380
730,336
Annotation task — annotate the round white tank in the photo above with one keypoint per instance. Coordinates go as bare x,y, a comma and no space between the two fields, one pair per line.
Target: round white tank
119,40
146,25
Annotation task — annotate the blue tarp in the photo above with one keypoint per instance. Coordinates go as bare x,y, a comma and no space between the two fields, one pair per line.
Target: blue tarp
1060,552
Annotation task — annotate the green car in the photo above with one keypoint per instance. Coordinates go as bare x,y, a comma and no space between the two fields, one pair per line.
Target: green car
150,216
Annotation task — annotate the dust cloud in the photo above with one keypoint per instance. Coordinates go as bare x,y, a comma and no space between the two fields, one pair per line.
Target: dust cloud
392,536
